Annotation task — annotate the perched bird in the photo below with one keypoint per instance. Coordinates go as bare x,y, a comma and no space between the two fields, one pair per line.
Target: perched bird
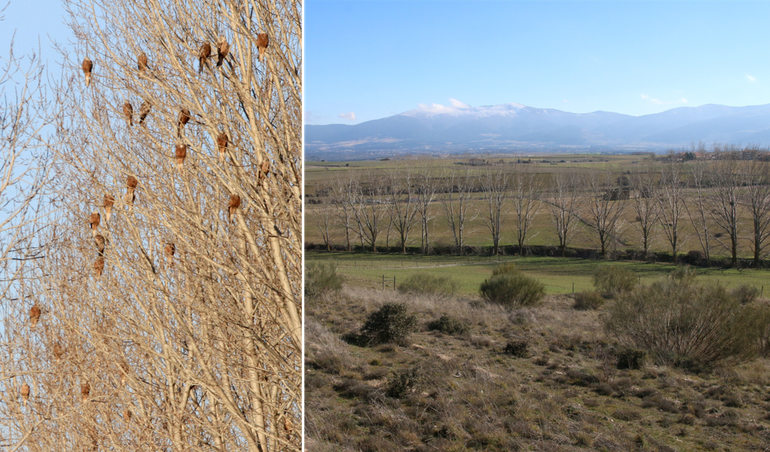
109,201
100,242
25,393
233,205
58,351
203,56
142,62
131,184
262,42
263,169
127,414
144,110
94,221
223,48
123,367
170,250
88,66
99,266
128,112
287,424
222,141
34,315
180,154
85,390
184,118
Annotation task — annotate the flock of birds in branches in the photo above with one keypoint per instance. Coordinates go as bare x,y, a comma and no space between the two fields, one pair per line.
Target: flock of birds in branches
223,49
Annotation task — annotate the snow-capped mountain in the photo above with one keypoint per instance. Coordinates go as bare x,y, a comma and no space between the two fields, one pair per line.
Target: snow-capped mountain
518,128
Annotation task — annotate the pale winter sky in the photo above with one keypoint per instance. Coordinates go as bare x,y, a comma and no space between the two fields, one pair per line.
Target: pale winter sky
367,59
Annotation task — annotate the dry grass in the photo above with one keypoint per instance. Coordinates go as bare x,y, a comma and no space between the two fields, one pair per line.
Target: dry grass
460,392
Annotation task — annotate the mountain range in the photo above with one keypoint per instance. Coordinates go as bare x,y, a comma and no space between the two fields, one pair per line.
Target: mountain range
518,128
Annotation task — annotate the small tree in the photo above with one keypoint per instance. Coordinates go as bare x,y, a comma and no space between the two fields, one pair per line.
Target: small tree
511,289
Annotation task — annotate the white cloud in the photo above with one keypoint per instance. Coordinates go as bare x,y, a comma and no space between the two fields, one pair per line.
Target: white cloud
350,116
458,104
750,78
566,101
436,108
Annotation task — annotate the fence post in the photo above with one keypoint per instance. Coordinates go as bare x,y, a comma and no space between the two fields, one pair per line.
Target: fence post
573,287
383,282
394,283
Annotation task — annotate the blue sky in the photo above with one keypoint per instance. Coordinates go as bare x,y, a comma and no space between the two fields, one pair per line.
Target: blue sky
30,20
371,59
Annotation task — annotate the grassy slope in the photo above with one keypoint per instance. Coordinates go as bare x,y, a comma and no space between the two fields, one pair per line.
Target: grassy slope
565,396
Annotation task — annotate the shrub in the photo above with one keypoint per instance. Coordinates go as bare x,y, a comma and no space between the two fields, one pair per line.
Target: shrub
512,290
684,274
614,280
391,323
449,325
321,279
427,284
686,325
631,358
402,383
745,293
585,301
505,269
519,349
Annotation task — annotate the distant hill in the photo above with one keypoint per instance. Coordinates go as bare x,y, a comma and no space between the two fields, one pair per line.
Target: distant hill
518,128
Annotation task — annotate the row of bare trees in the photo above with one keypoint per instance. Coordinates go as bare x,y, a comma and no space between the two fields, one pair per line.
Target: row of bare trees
162,310
716,198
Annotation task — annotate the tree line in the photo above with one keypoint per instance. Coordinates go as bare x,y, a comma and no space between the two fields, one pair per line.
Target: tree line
725,200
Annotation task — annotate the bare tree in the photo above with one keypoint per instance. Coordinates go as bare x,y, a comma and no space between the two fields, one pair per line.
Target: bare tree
370,209
757,198
644,186
456,202
698,212
426,193
495,184
176,323
343,197
323,217
671,204
564,205
724,202
604,206
25,140
402,203
526,187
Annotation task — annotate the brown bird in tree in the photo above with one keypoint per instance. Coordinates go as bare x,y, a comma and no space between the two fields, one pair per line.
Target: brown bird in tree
184,118
131,184
124,368
203,56
142,62
223,48
222,141
88,66
99,266
94,221
34,315
100,242
109,201
85,390
233,205
58,351
263,169
128,112
287,424
170,250
144,110
24,393
127,414
180,154
262,42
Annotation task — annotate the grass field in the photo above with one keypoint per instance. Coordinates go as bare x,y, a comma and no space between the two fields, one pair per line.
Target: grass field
558,274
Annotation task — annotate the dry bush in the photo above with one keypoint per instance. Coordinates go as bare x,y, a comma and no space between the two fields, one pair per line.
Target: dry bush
588,300
391,323
614,280
427,284
322,279
686,325
512,289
